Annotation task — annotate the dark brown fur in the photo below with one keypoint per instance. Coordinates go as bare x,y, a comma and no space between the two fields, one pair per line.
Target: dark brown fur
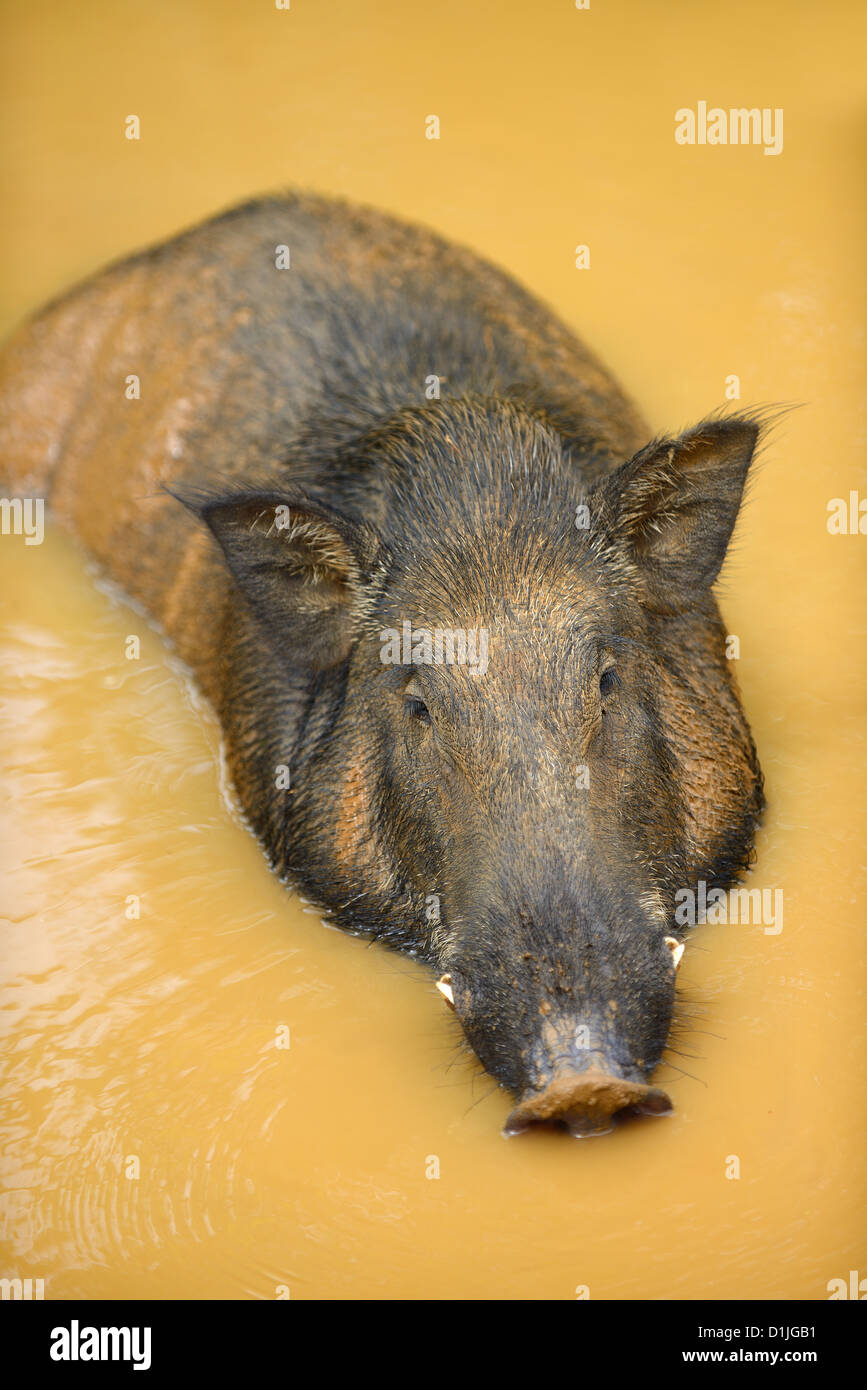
304,390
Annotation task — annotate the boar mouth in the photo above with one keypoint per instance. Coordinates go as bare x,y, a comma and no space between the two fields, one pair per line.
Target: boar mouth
586,1104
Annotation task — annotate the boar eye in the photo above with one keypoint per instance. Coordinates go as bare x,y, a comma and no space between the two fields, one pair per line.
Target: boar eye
417,709
608,681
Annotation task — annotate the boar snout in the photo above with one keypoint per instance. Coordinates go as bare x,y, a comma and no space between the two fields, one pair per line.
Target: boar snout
575,1023
586,1103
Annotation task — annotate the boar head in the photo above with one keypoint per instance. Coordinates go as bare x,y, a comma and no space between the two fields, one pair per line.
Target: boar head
520,821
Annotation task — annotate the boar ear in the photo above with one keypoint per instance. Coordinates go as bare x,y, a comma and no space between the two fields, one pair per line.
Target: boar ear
675,505
302,568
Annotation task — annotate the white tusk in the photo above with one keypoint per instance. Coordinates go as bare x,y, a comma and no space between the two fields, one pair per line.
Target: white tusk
445,988
676,948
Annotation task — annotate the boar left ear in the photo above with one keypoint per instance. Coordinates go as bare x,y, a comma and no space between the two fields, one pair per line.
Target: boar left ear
302,568
675,505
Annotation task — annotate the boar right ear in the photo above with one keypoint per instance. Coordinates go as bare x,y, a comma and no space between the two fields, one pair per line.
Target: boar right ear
302,568
675,505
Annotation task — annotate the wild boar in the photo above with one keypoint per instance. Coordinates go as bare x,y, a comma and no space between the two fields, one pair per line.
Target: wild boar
334,457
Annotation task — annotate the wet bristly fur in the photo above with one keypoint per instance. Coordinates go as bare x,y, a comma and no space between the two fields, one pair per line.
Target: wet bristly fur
283,493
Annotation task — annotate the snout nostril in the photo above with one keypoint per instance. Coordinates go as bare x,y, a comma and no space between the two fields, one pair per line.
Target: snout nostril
585,1103
656,1102
579,1126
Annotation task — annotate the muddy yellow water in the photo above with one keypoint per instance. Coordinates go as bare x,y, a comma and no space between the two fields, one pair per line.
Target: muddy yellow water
205,1092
